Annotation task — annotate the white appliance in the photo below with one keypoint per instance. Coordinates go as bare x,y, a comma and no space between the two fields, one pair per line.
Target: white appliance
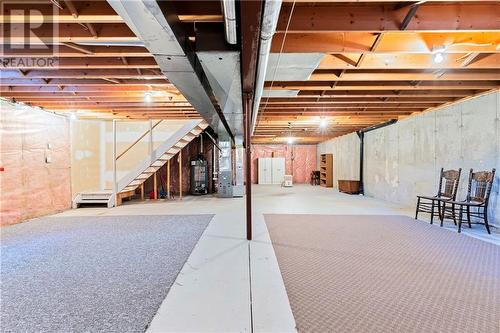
288,181
271,170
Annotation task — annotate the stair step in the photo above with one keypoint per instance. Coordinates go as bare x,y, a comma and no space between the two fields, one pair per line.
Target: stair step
95,201
128,188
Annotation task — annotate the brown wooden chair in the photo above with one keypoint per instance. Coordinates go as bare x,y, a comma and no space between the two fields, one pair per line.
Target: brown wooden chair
475,204
447,191
315,175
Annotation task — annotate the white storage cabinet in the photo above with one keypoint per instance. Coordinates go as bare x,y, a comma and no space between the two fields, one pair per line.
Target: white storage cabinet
271,170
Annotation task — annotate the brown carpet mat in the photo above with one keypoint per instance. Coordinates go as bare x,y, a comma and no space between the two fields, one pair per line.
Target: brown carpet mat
380,273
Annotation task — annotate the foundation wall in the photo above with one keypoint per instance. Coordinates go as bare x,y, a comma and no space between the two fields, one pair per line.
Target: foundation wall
404,159
35,157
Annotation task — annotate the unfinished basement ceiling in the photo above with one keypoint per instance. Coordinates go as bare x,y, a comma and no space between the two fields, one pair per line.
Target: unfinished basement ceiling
101,68
383,60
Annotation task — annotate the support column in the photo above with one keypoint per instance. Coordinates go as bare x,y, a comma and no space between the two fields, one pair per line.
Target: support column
180,174
115,186
142,191
168,179
247,105
150,136
155,184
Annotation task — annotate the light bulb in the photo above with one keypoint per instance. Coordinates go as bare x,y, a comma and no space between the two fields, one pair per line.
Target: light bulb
323,123
148,98
438,58
290,140
72,116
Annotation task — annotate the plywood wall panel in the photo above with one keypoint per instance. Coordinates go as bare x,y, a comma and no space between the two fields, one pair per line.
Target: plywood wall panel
30,186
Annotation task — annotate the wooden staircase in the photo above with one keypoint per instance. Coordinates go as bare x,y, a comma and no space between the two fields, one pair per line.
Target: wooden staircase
146,168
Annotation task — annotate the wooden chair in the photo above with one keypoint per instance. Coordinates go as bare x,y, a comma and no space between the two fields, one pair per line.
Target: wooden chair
315,175
478,195
447,191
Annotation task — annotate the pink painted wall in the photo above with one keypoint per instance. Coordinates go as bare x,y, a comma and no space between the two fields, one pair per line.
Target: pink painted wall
299,158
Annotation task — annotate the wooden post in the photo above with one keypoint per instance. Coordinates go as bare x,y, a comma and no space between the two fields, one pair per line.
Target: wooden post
180,174
142,191
115,186
150,136
155,191
168,179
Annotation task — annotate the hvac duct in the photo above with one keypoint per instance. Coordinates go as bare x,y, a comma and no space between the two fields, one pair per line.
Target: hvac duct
229,9
269,22
161,31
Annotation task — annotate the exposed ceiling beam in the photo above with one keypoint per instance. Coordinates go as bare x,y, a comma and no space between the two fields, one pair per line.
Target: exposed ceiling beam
78,82
411,61
83,74
72,50
68,33
383,85
392,42
383,18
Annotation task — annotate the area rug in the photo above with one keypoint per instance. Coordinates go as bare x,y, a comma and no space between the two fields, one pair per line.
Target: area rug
92,274
385,274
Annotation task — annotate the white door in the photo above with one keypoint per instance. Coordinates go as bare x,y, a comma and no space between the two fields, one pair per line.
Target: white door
265,170
278,167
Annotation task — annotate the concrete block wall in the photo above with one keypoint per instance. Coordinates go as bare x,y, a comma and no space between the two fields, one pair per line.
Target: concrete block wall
404,159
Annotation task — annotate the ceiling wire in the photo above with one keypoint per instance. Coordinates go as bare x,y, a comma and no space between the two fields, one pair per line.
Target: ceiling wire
279,54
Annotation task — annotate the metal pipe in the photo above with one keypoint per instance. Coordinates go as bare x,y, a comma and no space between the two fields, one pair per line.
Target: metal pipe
229,10
361,135
213,140
248,162
269,22
201,143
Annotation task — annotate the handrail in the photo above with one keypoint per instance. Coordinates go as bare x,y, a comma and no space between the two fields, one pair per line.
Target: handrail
139,139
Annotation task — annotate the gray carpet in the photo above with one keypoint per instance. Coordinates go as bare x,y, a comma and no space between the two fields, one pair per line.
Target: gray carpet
92,274
385,274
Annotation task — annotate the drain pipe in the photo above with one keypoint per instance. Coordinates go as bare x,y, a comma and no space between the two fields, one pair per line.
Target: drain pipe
361,135
269,22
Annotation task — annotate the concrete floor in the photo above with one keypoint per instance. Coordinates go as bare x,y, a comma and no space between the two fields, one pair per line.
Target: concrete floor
229,284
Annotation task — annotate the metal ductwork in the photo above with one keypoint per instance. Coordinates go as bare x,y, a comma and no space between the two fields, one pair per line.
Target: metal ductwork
160,30
269,22
229,9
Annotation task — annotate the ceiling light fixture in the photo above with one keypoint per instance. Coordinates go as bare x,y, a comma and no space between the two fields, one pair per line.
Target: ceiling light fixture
438,58
289,140
148,97
323,123
73,116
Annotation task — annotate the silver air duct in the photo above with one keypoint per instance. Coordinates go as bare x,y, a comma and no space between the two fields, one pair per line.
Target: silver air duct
229,9
162,33
269,22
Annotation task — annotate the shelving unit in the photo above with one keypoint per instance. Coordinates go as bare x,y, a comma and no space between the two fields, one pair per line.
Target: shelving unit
326,170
